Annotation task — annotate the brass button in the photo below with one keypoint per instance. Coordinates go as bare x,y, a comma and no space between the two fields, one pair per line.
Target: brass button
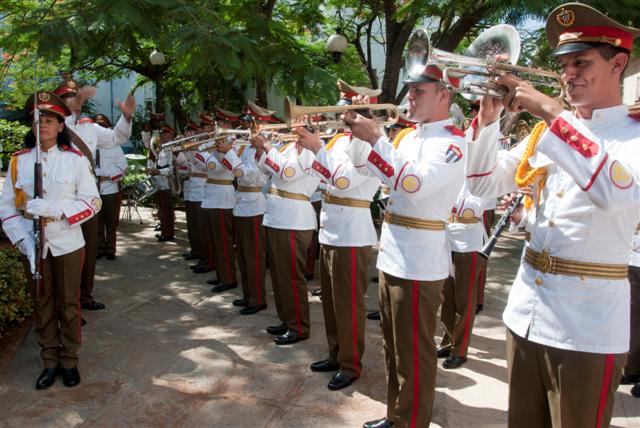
552,223
564,130
585,146
574,138
390,202
560,193
538,281
44,174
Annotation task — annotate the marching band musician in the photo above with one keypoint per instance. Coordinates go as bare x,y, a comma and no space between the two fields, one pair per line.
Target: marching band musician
568,309
248,213
69,198
346,235
88,138
289,221
219,198
111,166
161,169
466,236
424,168
632,368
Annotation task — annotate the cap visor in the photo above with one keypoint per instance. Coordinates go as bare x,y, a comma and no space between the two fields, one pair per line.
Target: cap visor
575,47
419,79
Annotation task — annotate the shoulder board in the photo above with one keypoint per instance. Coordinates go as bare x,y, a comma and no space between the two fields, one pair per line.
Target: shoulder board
635,114
283,148
455,131
401,135
22,151
335,138
71,150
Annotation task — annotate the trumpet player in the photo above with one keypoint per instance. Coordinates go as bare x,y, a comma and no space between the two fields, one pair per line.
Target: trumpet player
289,221
160,169
346,235
424,168
568,309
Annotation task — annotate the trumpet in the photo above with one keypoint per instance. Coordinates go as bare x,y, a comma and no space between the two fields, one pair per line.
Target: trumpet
491,55
180,144
292,110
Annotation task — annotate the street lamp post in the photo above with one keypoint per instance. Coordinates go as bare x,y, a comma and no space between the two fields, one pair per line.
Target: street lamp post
337,45
157,60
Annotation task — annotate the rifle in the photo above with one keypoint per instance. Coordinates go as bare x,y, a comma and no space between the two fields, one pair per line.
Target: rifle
38,226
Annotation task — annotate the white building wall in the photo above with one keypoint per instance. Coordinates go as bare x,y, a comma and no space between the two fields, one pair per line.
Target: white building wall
631,83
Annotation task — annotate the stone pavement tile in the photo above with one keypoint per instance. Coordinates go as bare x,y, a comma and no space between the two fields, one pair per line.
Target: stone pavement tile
236,411
626,410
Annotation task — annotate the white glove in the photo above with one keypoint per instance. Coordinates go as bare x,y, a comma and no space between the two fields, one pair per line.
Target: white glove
165,171
43,208
27,246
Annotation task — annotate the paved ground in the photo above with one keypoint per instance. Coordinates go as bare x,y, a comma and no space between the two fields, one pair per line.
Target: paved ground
168,352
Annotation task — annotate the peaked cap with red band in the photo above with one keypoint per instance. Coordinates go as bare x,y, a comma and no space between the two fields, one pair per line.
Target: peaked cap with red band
431,73
226,115
575,27
205,119
261,114
47,102
349,91
192,125
102,120
68,87
166,128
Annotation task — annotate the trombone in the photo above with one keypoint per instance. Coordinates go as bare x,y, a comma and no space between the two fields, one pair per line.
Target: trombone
492,54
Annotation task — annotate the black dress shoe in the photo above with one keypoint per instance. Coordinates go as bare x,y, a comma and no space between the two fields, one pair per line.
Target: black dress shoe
317,292
277,329
629,379
83,321
158,235
186,253
454,362
224,287
375,279
339,381
166,238
213,281
111,257
202,269
288,338
378,423
70,376
308,276
46,378
192,267
635,391
157,227
191,257
443,352
241,302
99,256
324,366
249,310
479,308
375,315
93,306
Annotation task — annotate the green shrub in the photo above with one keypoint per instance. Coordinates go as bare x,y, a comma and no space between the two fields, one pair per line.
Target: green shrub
15,300
11,140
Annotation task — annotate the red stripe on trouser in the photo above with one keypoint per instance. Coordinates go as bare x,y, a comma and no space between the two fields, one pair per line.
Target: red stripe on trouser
256,228
467,318
604,388
354,307
79,307
225,250
294,279
416,352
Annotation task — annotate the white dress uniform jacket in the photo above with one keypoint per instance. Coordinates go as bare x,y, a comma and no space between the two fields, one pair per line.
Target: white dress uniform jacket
163,164
182,166
67,182
113,166
635,254
95,136
340,225
467,237
244,167
425,174
198,165
290,172
588,212
221,196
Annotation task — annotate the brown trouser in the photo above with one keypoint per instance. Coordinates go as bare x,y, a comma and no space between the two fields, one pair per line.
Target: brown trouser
221,230
287,250
488,218
165,212
58,312
312,251
408,311
459,306
551,387
190,208
251,242
108,222
343,278
633,360
90,235
206,248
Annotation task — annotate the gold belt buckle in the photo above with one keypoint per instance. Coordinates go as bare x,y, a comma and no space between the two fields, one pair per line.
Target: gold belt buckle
544,262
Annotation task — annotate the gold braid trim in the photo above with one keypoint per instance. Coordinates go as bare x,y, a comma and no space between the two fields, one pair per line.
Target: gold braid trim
400,136
527,176
333,140
21,197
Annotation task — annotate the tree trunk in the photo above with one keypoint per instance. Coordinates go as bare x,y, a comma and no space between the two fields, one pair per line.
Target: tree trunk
261,92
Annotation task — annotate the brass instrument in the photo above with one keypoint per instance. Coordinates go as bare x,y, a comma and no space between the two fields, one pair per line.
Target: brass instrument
180,144
491,55
291,111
